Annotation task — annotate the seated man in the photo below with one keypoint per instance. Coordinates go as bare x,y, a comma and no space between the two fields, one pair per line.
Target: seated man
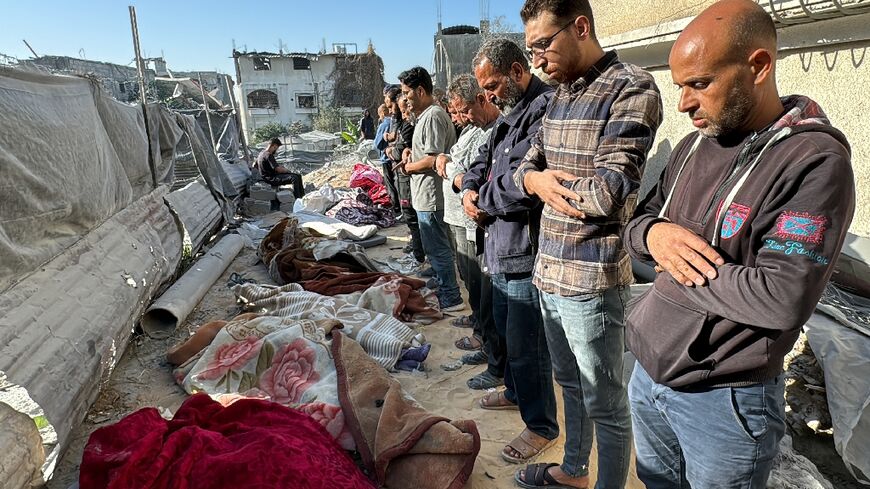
275,174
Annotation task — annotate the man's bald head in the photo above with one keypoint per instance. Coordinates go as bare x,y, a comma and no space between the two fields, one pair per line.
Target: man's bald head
724,63
732,29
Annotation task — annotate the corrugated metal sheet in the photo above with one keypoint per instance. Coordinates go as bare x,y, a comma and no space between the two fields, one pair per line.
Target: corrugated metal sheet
64,327
197,210
239,174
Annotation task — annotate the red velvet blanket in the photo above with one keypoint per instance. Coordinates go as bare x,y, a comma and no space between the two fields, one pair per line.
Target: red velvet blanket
249,444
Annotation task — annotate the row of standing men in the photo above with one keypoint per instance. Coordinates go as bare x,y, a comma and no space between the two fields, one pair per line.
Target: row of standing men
536,201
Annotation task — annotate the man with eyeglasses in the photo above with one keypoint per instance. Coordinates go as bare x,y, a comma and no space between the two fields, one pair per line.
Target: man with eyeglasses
585,165
509,222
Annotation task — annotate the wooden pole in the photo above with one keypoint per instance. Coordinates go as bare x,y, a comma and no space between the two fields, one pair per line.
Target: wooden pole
242,139
30,48
207,114
140,69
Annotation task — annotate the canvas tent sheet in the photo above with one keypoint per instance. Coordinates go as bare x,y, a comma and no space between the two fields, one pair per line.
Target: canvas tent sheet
61,174
839,338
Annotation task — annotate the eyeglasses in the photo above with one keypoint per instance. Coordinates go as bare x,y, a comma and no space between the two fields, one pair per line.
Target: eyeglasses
540,47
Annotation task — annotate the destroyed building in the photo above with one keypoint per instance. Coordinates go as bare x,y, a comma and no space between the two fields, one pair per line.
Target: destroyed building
119,80
456,46
294,87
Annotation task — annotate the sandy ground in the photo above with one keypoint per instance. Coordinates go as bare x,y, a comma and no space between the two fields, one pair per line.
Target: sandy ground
143,379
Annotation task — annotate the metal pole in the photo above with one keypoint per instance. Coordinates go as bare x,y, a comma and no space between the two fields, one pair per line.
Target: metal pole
140,69
207,115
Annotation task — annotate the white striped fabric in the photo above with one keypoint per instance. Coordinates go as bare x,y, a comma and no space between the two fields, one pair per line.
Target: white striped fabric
382,337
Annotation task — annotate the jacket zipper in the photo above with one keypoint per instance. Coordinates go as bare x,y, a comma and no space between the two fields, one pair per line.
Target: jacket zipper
741,162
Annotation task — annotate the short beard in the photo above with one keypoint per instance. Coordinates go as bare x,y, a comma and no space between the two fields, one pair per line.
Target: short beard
512,97
738,105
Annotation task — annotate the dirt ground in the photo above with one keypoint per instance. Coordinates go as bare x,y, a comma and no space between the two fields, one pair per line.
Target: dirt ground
143,379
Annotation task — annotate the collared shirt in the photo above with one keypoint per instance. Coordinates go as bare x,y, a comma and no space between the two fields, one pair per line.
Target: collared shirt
599,128
462,155
433,134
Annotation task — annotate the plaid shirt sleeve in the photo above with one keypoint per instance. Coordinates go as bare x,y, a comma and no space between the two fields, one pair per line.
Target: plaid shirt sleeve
622,148
535,160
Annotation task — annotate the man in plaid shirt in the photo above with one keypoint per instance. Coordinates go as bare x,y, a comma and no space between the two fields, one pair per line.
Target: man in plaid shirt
585,165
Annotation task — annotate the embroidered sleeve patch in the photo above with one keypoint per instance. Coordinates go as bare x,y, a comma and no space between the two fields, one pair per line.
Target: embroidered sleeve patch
800,226
735,217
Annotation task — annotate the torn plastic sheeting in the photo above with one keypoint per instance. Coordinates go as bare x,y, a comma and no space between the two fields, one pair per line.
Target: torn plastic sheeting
163,141
64,327
52,198
198,212
170,310
125,126
844,354
209,166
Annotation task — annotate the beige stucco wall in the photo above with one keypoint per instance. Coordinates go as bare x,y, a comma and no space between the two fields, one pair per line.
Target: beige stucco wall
836,75
612,18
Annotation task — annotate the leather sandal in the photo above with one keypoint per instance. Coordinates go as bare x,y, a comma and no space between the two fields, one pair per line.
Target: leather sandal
528,444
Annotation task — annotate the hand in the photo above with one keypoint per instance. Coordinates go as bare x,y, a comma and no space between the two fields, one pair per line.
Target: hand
547,185
682,253
469,204
441,165
457,180
406,156
389,137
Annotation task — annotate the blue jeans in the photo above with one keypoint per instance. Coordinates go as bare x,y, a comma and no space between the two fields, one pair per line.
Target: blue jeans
528,376
724,437
587,339
436,244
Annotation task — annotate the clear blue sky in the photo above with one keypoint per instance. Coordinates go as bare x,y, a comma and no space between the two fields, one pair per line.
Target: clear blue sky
198,35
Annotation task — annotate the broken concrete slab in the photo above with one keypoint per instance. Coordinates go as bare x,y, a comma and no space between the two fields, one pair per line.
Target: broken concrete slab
254,207
792,470
262,194
23,456
285,196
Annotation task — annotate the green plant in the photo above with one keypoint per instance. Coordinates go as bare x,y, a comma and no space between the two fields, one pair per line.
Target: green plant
351,133
269,131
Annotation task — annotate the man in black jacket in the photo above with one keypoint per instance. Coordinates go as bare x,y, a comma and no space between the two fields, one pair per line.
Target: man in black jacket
510,221
745,225
275,174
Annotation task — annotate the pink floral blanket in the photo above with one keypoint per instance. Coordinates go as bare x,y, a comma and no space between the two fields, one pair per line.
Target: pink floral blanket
287,361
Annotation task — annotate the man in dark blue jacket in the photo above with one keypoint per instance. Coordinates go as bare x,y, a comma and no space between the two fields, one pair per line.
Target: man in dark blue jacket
510,221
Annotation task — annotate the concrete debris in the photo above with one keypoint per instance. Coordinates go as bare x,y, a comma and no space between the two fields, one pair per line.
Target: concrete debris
792,470
285,196
807,406
260,193
21,463
254,207
450,367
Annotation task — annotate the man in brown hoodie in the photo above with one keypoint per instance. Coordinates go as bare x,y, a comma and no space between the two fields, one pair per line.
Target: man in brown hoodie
745,225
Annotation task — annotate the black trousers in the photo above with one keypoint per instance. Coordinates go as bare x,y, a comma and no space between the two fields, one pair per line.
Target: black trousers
294,179
390,183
